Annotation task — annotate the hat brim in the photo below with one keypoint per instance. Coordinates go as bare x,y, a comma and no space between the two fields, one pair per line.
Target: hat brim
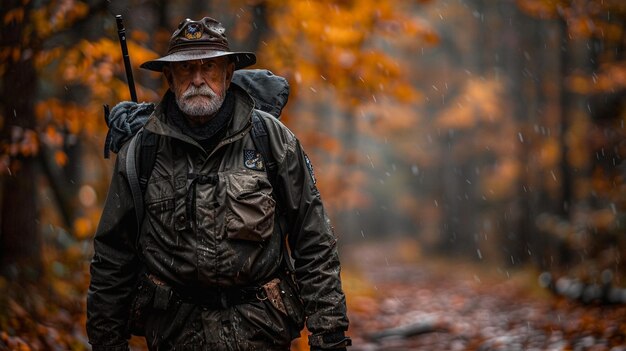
240,59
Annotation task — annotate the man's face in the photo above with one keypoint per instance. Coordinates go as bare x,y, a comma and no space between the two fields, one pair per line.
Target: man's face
199,86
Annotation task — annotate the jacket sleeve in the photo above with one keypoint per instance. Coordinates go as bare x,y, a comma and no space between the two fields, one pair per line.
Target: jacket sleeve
114,267
313,245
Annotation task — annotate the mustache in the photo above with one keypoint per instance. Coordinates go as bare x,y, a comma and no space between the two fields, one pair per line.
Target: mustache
203,90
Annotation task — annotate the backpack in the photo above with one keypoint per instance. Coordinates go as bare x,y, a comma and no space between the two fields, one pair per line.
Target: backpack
269,92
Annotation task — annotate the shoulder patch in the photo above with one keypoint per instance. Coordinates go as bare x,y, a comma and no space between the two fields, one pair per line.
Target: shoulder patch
309,166
253,160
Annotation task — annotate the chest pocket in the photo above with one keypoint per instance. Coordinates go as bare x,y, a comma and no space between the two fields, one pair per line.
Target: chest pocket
159,200
250,207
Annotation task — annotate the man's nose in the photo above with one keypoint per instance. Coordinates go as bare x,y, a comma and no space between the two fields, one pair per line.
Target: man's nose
196,77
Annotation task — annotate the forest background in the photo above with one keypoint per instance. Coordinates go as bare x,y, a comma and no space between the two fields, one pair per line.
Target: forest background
480,130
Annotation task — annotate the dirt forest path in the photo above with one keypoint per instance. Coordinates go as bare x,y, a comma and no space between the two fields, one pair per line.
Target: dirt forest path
398,302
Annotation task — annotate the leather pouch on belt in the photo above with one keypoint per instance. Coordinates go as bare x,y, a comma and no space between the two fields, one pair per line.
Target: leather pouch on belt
273,293
291,300
141,305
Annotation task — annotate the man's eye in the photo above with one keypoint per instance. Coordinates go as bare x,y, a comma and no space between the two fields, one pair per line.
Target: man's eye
183,66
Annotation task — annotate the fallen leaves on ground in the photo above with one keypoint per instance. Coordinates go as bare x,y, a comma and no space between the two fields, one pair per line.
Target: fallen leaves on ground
434,304
397,298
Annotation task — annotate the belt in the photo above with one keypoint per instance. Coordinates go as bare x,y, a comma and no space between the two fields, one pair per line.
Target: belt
208,298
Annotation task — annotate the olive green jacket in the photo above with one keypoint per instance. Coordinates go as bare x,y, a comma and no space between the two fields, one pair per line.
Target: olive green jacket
215,228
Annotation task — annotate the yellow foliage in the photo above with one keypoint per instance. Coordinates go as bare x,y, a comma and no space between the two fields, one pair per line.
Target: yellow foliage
600,182
5,53
390,118
52,136
29,145
58,113
62,288
430,36
603,219
46,57
336,40
60,158
409,204
406,93
550,153
577,140
331,145
540,8
139,36
581,27
83,228
138,53
243,25
15,55
410,30
353,197
611,32
479,102
14,15
56,16
341,35
501,182
579,83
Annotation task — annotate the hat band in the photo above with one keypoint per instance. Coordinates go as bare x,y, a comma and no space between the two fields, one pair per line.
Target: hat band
198,45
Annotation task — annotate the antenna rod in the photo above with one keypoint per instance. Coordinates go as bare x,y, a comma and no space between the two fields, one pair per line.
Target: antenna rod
121,31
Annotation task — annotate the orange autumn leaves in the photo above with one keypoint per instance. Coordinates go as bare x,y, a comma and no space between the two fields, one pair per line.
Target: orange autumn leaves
599,20
93,67
343,45
346,56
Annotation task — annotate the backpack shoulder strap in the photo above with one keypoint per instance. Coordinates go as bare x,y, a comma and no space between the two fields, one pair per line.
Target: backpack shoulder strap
133,178
139,168
147,158
261,141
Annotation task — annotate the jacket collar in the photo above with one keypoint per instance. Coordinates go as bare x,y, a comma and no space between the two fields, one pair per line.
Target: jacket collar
241,122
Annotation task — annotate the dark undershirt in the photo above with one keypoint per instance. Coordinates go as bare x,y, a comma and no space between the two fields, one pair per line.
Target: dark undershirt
209,134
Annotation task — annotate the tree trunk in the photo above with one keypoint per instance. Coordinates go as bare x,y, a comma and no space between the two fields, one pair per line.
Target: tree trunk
19,237
566,189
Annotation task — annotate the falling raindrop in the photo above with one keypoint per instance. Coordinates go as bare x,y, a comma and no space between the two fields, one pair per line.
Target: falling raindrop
370,159
415,170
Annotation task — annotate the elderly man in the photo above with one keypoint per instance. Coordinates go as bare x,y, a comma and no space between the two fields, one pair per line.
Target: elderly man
208,268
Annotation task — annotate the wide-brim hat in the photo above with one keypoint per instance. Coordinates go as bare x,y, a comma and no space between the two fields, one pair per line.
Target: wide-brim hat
197,40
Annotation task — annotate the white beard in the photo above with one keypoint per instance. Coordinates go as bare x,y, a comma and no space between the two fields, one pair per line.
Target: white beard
200,101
